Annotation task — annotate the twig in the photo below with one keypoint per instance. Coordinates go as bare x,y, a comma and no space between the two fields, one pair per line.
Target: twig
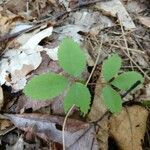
95,62
130,49
135,64
125,41
82,3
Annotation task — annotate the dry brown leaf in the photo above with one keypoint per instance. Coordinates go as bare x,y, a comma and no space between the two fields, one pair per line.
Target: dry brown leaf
7,22
98,109
78,135
129,126
145,21
116,9
4,124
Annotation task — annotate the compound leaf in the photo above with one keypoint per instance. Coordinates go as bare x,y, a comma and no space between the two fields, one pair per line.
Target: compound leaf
111,99
127,79
45,86
79,95
71,57
111,67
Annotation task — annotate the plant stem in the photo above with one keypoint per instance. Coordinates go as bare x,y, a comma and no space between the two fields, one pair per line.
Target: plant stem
64,124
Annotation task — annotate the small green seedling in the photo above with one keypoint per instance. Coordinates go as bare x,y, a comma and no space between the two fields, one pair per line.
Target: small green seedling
123,82
73,61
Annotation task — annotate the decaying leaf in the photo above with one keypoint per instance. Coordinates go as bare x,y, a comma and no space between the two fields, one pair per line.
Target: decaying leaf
17,63
78,135
115,8
26,103
129,126
7,21
5,125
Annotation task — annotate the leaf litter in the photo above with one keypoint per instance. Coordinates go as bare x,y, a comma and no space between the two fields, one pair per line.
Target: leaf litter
89,23
79,135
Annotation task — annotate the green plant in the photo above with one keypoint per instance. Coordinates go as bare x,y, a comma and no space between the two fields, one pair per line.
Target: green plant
123,82
72,60
47,86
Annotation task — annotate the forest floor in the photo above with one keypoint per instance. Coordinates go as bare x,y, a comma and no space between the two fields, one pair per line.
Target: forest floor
101,28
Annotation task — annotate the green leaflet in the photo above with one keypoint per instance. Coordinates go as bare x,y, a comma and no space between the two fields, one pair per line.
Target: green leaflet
45,86
79,95
125,80
111,99
111,67
71,57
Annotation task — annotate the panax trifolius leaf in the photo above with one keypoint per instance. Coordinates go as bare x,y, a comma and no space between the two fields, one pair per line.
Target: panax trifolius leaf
112,99
71,57
125,80
111,67
79,95
45,86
